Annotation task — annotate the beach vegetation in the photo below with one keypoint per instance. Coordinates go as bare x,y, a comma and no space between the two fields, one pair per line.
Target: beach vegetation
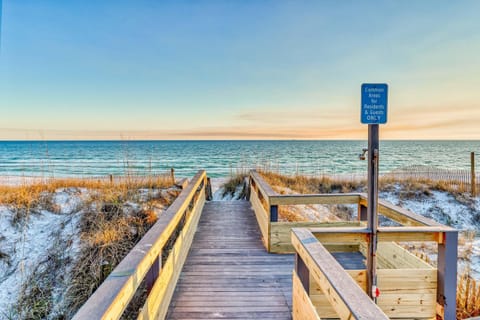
235,187
113,215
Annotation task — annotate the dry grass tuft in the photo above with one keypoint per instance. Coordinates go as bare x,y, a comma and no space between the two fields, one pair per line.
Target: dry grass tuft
303,184
150,216
408,188
232,184
288,214
468,297
27,199
108,233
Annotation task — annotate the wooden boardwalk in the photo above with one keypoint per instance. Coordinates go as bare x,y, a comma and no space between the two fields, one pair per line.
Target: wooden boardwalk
228,273
219,267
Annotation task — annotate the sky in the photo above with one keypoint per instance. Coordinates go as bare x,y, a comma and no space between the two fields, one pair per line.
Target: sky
236,69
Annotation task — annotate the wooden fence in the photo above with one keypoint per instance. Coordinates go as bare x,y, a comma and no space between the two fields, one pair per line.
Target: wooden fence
173,232
461,179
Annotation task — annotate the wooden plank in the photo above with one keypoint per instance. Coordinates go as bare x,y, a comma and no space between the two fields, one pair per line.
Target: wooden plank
407,234
280,237
408,293
320,301
112,297
341,247
262,185
327,198
262,217
407,279
156,305
327,237
303,309
392,256
267,315
406,299
409,312
346,297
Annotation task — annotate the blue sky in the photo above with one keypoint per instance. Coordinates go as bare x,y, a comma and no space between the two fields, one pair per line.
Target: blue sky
237,69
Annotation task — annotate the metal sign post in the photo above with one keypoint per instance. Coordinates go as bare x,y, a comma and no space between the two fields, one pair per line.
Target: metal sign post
372,208
373,113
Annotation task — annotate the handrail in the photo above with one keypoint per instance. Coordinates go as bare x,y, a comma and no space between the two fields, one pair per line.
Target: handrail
396,213
320,198
343,293
112,297
264,188
385,234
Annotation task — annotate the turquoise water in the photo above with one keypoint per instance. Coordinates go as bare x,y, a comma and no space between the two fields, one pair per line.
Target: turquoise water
220,158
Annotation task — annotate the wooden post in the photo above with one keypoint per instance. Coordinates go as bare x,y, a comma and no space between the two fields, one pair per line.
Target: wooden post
362,213
303,273
372,207
447,274
111,178
208,189
274,213
172,175
153,273
472,174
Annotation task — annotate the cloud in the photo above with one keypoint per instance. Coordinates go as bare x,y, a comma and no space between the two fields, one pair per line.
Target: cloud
294,114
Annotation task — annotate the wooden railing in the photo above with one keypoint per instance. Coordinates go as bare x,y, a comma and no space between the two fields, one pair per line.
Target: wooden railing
315,265
173,232
353,236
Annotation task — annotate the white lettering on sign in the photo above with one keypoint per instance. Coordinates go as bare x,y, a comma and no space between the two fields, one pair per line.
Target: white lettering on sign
374,103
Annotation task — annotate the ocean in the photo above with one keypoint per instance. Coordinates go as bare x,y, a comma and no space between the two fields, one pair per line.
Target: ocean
221,158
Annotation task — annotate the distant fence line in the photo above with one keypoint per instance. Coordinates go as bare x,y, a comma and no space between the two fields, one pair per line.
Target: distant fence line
13,180
457,176
460,179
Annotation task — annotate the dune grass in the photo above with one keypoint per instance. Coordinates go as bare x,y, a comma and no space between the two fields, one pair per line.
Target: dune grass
410,187
231,185
109,227
468,297
303,184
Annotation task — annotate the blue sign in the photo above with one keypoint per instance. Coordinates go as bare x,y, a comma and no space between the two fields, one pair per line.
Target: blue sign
374,103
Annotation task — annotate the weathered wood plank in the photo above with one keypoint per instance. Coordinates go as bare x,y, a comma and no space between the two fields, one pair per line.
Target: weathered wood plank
237,280
262,218
303,309
405,234
192,315
328,198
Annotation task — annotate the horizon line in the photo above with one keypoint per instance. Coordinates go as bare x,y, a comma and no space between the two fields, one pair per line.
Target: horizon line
205,140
